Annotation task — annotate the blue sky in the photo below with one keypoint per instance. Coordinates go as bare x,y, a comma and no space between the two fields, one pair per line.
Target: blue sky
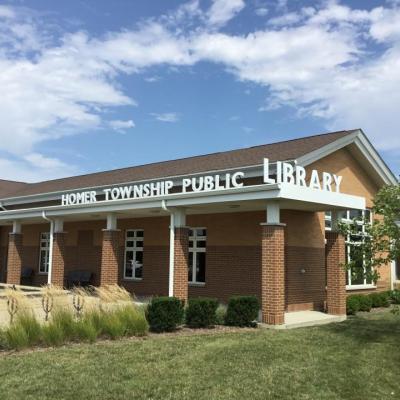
94,85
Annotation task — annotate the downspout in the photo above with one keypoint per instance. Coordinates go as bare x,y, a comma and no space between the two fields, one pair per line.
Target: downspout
51,246
171,248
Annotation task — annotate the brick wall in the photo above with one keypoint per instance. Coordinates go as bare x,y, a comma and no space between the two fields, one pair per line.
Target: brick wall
14,258
335,274
110,257
181,249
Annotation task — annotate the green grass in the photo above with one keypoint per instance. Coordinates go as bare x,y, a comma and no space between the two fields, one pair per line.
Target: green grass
358,359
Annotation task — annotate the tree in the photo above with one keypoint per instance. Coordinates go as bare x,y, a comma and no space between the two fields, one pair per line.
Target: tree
379,244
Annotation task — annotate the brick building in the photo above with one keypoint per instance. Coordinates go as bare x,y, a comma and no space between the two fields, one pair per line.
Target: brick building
259,220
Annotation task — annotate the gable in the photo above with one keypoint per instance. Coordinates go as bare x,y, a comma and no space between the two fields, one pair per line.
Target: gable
356,181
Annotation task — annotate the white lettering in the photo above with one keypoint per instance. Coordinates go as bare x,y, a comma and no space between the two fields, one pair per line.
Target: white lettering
288,171
338,181
300,176
314,181
267,179
326,181
235,177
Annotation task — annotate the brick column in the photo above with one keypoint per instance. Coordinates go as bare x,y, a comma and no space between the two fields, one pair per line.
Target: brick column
110,257
181,255
14,258
273,274
335,273
58,259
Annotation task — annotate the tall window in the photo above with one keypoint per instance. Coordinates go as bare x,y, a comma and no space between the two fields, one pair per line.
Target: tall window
44,252
197,255
355,278
134,254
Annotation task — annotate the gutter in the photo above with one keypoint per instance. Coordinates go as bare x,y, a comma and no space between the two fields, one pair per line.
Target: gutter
44,216
171,248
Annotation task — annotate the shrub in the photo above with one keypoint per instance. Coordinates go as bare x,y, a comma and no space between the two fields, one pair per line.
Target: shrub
27,321
53,334
352,304
379,299
17,337
220,315
3,340
165,314
85,331
242,311
200,313
394,296
133,320
365,302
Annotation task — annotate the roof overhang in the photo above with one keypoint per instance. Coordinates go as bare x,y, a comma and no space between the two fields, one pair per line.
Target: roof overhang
256,196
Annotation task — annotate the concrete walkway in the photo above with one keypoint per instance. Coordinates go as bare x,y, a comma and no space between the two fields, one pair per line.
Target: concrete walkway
301,319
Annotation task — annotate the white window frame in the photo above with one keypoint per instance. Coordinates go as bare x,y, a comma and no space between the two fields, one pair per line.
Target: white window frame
194,238
347,219
44,246
134,249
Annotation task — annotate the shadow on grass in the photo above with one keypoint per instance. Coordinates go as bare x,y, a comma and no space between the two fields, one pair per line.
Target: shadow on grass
367,328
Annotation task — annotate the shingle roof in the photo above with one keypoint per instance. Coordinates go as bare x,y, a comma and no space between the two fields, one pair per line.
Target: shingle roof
287,150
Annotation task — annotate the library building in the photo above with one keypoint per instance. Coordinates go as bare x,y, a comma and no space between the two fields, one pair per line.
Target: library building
254,221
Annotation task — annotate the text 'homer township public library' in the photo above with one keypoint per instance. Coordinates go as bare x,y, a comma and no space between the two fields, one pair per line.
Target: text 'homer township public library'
255,221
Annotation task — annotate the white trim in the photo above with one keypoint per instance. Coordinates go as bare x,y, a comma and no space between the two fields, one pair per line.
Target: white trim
360,287
133,249
359,138
282,191
194,250
273,212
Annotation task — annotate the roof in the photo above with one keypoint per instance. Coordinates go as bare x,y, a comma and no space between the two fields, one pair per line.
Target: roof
286,150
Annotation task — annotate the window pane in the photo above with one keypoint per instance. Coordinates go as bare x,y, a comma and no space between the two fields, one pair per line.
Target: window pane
139,233
201,232
139,243
191,244
357,214
201,243
129,243
139,257
200,267
130,234
190,275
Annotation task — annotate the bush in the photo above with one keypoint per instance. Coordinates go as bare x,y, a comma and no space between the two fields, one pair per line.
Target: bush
17,337
133,320
242,311
380,299
200,313
165,314
28,322
394,296
352,304
220,315
3,340
365,302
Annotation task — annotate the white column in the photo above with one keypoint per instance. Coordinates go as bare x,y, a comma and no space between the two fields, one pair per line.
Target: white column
273,212
16,227
111,222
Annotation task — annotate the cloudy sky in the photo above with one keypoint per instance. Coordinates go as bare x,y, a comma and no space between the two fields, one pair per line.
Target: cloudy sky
97,84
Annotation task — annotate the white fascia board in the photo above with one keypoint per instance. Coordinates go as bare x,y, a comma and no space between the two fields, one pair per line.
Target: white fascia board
256,192
251,172
333,199
363,144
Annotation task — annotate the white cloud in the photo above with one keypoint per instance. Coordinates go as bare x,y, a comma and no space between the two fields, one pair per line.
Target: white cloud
166,117
261,11
222,11
316,59
121,126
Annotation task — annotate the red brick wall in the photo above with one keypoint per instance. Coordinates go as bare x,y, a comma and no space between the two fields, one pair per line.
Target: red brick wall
58,264
335,274
273,274
14,258
181,251
110,257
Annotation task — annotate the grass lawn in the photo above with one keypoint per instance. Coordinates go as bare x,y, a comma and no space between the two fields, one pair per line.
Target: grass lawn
357,359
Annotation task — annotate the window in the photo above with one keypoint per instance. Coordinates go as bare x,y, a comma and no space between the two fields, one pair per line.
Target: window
197,255
134,254
44,253
354,278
